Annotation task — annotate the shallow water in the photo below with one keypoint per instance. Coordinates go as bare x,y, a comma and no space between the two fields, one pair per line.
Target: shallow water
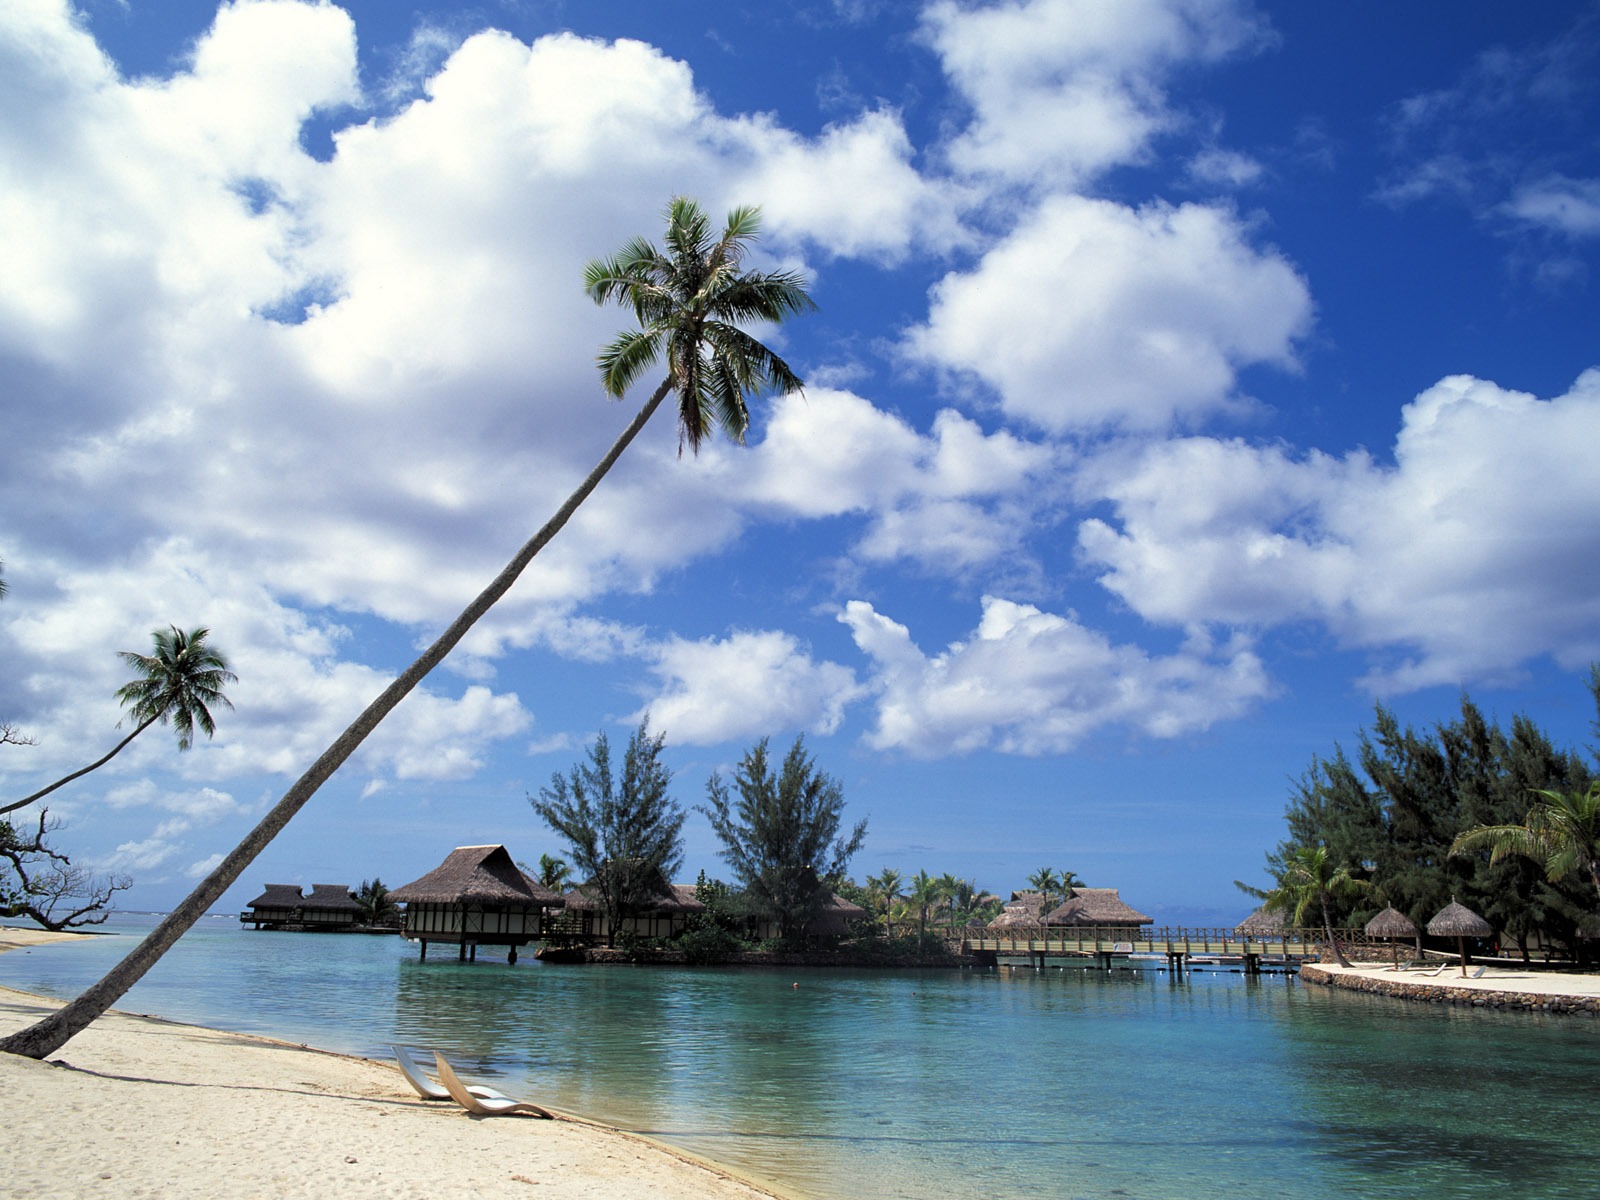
866,1085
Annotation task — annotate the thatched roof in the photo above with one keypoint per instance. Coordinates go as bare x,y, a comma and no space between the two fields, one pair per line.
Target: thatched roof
1016,916
1031,901
477,875
332,897
835,916
279,895
1391,923
680,898
1095,906
1264,922
1456,920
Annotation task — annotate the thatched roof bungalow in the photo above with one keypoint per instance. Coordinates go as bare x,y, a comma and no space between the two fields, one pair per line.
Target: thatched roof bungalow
667,915
477,897
832,922
1102,908
275,908
330,907
1016,917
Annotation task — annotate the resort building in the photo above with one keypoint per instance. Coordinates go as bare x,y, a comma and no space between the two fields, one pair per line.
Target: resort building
1102,908
667,915
329,908
477,897
832,922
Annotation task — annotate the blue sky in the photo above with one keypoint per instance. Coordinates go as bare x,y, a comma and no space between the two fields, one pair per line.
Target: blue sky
1187,377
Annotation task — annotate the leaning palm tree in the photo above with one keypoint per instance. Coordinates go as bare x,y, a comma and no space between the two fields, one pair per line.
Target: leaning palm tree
1561,831
180,683
1309,880
689,300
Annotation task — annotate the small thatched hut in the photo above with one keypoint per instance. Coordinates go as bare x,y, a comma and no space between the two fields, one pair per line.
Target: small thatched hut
1016,918
276,908
1264,924
1460,922
477,897
1102,908
1394,925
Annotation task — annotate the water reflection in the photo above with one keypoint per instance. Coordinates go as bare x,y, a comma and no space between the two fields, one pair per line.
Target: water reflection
862,1085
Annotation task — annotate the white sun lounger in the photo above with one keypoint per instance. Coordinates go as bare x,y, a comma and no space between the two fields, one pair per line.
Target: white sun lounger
416,1069
483,1102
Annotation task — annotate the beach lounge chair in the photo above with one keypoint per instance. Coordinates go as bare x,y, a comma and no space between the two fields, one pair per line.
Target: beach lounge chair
482,1102
416,1069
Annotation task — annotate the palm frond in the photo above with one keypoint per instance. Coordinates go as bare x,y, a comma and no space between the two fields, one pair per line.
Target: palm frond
626,358
690,298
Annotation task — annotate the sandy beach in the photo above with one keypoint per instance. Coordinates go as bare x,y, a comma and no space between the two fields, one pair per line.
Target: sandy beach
138,1107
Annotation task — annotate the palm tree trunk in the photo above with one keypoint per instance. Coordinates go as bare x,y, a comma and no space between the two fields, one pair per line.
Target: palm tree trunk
115,750
1327,927
49,1035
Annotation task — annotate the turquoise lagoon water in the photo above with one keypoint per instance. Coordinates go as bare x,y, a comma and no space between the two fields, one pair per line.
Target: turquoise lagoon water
864,1085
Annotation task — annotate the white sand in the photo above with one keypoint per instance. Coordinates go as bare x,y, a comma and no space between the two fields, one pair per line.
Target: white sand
139,1107
1518,980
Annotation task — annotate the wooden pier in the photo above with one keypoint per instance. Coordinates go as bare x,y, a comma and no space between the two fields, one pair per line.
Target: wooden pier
1177,945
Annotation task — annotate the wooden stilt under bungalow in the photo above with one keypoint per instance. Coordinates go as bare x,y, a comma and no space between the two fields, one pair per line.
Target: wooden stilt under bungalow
477,897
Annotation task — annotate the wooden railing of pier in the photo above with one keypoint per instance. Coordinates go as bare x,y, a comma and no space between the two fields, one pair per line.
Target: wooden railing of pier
1113,941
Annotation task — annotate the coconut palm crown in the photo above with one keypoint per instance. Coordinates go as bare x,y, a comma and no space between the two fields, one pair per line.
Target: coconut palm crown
1561,831
180,683
690,299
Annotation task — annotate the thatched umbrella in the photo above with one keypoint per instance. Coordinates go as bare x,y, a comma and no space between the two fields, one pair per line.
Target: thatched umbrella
1458,921
1393,924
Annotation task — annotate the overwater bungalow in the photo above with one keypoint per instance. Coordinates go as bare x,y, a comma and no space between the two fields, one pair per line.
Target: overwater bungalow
329,908
477,897
275,908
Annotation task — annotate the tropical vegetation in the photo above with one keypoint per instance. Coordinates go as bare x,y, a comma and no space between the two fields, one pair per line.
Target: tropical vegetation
625,831
179,684
781,835
38,880
691,300
1498,818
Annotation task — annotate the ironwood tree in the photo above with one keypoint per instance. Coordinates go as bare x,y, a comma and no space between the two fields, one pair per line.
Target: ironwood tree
625,832
1395,817
780,834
